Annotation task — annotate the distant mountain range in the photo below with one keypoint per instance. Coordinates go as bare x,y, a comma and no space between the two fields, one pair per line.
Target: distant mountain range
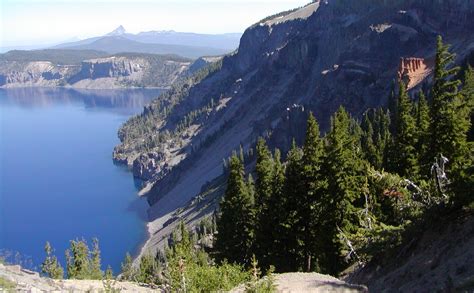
190,45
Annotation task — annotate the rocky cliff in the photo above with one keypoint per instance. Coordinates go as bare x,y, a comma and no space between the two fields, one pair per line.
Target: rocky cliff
35,73
118,71
315,58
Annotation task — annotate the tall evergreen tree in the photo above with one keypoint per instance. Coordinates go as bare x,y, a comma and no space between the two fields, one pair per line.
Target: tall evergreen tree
235,225
449,124
375,136
344,169
445,90
294,190
277,254
263,192
314,186
463,171
371,152
264,172
468,93
393,108
422,125
405,139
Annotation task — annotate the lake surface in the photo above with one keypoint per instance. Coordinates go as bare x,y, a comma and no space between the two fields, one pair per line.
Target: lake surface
57,178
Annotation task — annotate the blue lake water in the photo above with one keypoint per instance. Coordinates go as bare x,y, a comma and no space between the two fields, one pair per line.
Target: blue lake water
57,178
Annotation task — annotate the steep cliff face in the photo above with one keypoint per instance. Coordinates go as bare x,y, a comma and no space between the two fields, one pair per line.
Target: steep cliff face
327,54
124,70
35,73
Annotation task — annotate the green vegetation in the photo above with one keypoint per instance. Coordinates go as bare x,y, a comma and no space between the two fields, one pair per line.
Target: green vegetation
237,220
7,285
256,283
51,266
81,262
184,268
332,203
147,131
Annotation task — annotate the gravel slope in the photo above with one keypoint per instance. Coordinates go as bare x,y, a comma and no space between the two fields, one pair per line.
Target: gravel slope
310,282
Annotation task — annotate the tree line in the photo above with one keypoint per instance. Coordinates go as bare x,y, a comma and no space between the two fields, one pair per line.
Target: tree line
184,266
345,196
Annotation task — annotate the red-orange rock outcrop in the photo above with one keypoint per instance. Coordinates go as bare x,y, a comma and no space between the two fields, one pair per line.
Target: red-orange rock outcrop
413,70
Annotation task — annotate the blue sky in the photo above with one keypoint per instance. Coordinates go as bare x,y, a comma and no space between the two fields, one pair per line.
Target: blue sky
27,22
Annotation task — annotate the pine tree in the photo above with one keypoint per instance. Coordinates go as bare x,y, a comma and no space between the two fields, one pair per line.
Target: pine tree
264,171
444,91
393,109
235,225
405,139
51,266
314,186
371,153
468,94
263,193
78,261
422,125
109,274
344,171
95,270
277,254
375,136
128,272
180,259
463,173
292,231
449,122
148,270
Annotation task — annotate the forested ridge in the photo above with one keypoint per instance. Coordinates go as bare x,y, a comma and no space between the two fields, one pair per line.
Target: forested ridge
361,188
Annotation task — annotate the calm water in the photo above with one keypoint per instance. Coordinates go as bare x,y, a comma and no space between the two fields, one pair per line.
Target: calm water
57,178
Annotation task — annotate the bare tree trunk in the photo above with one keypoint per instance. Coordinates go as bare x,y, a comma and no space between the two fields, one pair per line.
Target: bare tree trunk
308,263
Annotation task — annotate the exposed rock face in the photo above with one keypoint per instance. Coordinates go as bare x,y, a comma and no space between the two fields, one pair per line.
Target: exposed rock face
146,165
111,72
327,54
413,71
111,67
42,73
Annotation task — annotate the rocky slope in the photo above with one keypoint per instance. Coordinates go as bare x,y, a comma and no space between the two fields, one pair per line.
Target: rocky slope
309,282
118,71
440,259
28,281
21,280
316,58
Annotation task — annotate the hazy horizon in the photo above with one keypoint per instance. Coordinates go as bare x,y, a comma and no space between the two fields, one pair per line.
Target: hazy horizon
39,22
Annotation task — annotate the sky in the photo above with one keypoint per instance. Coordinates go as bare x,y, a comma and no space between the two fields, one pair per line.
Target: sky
34,22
